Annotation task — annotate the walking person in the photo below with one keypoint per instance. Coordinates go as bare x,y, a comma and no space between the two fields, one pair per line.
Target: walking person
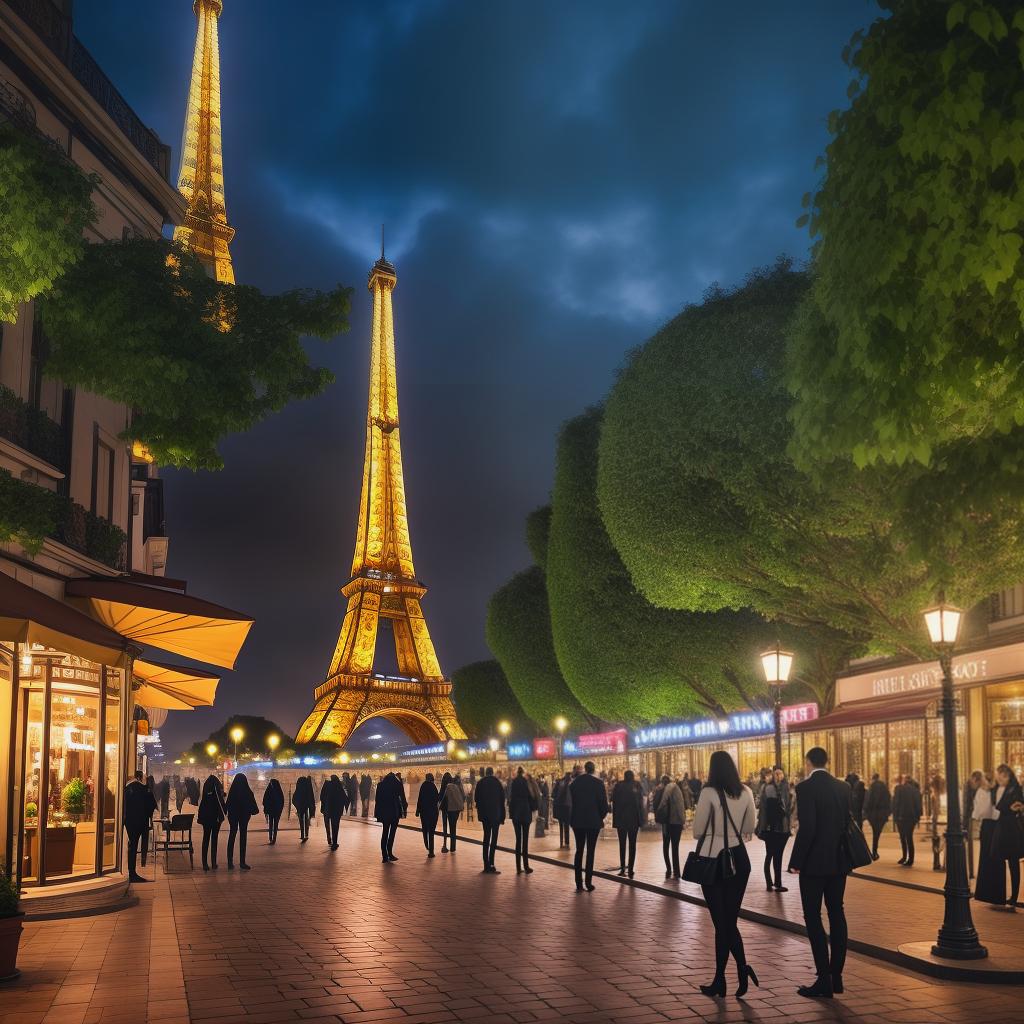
427,811
820,857
389,807
489,798
877,810
352,792
365,789
273,808
1002,843
561,809
907,808
773,826
333,801
522,802
304,802
139,805
858,795
670,813
452,803
163,795
211,815
725,809
240,806
588,807
441,790
627,817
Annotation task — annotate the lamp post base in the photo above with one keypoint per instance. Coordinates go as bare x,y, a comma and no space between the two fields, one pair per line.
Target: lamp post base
965,952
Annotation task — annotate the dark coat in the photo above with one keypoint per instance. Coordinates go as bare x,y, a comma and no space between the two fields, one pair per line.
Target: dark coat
561,803
489,798
365,786
521,801
139,805
859,796
1008,841
589,802
303,798
907,805
878,804
211,804
273,799
390,804
627,805
352,788
426,803
823,804
333,797
240,804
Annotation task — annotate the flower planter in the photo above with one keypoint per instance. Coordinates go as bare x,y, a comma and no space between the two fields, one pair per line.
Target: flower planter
10,936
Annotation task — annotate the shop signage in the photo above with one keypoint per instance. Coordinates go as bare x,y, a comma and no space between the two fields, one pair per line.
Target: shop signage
797,713
520,751
545,749
598,743
434,750
743,723
968,669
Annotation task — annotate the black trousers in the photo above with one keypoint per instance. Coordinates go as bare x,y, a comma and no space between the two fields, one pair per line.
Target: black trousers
427,828
724,899
522,844
211,835
670,836
239,827
1014,866
366,806
563,832
906,830
627,838
273,821
333,823
774,845
303,824
586,838
388,831
830,888
135,837
490,841
876,834
451,819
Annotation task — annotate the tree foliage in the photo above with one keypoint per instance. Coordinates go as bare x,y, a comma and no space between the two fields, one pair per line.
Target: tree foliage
142,323
45,206
483,698
910,338
538,529
519,635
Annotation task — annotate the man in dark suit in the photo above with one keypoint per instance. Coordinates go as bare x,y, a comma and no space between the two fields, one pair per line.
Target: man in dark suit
365,788
489,798
333,801
139,805
589,805
821,858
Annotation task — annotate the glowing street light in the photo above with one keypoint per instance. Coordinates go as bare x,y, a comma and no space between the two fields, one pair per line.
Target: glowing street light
237,735
561,724
211,750
505,728
273,741
777,665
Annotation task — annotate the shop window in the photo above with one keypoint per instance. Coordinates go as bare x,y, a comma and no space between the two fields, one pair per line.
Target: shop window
103,481
906,750
111,765
873,757
32,788
1007,728
852,751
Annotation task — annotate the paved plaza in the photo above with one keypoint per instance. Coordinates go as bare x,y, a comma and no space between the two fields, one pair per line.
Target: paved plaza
312,936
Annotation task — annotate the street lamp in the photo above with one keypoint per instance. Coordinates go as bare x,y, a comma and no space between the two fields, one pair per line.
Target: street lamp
958,938
561,724
494,743
777,665
273,741
211,750
237,735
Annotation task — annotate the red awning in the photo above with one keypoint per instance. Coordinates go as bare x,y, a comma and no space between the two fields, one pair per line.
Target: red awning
871,712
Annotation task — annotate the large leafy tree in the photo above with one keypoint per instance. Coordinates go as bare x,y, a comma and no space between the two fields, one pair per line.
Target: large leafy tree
483,698
911,339
142,322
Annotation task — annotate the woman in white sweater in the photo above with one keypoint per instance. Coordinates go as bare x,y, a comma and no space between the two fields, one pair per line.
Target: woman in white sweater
725,813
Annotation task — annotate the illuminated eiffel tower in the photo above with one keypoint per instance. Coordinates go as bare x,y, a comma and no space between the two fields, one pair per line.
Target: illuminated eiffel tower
201,178
383,583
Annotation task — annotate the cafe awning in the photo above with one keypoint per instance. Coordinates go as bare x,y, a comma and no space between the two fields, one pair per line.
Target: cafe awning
172,687
873,712
167,619
28,616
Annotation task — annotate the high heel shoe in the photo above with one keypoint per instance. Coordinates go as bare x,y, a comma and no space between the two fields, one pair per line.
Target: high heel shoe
716,988
746,974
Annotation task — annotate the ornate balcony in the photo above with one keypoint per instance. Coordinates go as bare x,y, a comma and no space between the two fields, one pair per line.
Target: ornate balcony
31,429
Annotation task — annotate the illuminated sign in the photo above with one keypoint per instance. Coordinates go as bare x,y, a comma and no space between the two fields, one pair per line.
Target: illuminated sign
545,749
434,750
797,713
743,723
520,751
598,743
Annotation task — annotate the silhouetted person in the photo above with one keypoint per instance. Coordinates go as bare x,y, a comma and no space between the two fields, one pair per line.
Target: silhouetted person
877,809
907,808
351,791
273,808
560,809
522,802
670,813
725,813
819,855
333,801
323,810
211,815
858,794
627,817
241,806
1002,845
365,789
446,778
773,826
163,796
452,803
304,802
589,805
388,808
139,805
192,790
489,798
427,811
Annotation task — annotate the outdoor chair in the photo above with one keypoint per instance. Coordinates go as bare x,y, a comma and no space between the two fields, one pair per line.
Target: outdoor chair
179,826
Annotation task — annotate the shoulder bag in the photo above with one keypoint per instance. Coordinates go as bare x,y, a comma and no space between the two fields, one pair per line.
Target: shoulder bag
698,869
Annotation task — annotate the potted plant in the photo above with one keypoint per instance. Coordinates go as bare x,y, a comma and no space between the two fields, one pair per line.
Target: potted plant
73,797
11,917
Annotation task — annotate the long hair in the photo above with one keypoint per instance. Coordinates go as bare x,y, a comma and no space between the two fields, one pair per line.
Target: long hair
238,783
211,785
722,774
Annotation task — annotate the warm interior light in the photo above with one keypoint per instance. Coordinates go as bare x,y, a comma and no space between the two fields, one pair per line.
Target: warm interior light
493,743
26,659
943,622
777,665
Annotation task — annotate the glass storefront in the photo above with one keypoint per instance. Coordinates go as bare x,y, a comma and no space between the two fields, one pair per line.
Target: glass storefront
1006,723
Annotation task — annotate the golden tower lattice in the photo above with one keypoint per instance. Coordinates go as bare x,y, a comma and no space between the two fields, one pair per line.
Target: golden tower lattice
383,583
201,178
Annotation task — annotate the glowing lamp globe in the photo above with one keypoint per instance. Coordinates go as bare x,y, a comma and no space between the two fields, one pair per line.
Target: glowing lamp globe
943,622
777,665
237,734
504,728
561,724
273,741
493,744
211,749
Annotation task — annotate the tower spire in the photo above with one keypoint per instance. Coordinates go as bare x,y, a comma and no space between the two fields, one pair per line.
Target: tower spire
205,230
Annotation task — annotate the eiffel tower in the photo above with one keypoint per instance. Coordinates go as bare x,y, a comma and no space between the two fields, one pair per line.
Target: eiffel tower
383,583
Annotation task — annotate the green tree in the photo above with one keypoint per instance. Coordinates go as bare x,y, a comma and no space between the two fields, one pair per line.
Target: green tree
910,337
141,322
483,698
256,729
538,529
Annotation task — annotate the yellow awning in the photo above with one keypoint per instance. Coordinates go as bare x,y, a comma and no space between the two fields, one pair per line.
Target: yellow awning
166,619
172,687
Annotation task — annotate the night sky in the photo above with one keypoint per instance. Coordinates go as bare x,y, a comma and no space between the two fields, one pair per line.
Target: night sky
557,180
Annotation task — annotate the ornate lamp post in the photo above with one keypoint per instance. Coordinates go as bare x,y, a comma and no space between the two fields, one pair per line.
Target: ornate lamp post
777,665
237,735
561,724
211,750
958,938
273,742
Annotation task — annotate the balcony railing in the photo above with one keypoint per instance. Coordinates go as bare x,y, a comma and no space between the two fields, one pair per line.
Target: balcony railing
31,429
91,535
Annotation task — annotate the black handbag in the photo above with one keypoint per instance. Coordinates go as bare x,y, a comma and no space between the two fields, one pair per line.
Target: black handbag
701,870
856,846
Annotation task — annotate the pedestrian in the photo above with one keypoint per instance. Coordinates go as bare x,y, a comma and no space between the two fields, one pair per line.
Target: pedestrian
725,808
906,813
562,809
163,795
858,794
773,826
670,813
489,798
389,807
441,790
240,806
352,792
588,803
273,808
147,839
304,802
365,790
1002,844
427,811
211,815
821,859
333,801
544,807
139,805
522,802
877,809
323,810
452,803
627,817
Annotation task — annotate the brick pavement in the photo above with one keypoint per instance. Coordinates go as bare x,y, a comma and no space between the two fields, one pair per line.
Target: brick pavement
314,936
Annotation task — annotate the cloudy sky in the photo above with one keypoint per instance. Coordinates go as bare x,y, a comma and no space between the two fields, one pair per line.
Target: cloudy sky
557,180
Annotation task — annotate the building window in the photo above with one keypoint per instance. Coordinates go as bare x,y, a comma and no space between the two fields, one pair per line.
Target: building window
103,480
